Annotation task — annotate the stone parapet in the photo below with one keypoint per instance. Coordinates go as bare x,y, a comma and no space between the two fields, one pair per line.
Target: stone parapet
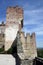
28,45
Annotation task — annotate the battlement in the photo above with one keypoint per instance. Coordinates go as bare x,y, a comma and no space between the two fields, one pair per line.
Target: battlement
32,36
29,44
15,9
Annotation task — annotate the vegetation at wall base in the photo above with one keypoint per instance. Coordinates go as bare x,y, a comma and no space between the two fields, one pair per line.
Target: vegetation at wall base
1,50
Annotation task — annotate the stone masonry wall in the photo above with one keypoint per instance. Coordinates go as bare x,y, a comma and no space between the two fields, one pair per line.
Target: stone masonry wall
29,45
14,15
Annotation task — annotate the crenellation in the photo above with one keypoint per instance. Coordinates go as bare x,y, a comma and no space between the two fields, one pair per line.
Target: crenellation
29,44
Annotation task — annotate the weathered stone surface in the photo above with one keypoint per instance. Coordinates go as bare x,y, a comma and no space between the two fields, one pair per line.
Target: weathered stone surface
10,35
14,15
28,45
26,62
26,48
20,50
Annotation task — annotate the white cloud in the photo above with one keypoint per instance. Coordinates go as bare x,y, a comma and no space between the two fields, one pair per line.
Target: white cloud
34,17
38,30
34,10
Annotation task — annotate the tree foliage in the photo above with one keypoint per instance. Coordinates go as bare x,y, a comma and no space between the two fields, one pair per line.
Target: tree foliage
40,52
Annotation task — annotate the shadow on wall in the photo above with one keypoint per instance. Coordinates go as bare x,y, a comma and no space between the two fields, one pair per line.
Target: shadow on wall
18,60
13,51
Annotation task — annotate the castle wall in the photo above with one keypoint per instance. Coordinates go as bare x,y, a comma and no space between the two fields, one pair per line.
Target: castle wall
2,34
29,45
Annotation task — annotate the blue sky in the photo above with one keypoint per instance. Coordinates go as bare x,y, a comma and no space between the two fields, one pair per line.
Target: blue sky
33,16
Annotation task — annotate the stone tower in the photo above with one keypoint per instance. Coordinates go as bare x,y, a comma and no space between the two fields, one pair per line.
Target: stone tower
14,23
